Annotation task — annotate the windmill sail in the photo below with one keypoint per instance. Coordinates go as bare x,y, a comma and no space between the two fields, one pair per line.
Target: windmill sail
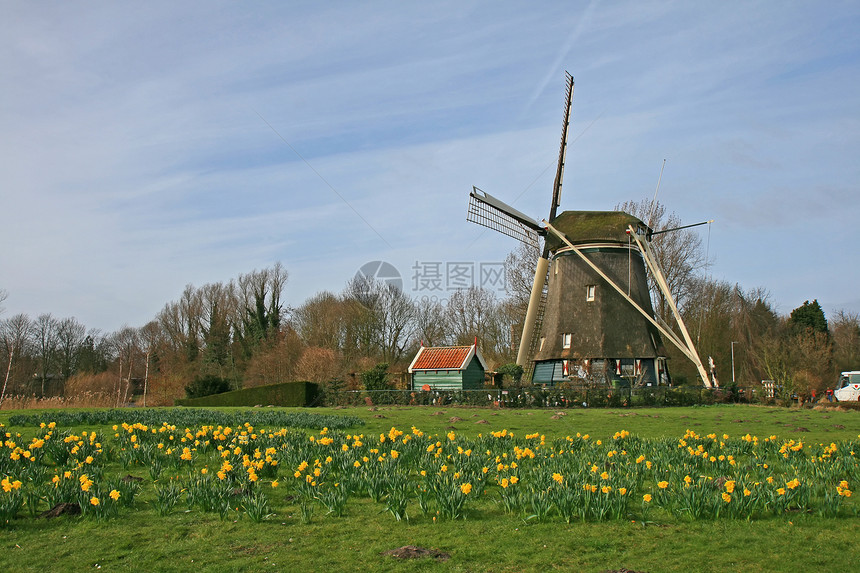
562,151
487,211
537,301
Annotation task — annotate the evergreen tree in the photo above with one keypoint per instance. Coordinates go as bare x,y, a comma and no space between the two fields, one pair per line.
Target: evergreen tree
809,315
376,378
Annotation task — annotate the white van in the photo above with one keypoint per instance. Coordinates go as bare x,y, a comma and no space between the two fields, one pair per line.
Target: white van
848,389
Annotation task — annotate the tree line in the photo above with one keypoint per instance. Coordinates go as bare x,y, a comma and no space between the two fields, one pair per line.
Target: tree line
242,333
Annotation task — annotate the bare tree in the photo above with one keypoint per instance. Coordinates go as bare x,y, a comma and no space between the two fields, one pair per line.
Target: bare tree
519,276
321,321
470,312
151,336
9,343
275,362
679,253
181,321
397,314
320,365
127,344
389,321
430,326
723,318
798,362
45,340
70,338
476,312
16,335
845,333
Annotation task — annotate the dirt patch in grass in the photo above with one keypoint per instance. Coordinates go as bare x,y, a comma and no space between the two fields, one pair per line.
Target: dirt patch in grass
62,509
414,552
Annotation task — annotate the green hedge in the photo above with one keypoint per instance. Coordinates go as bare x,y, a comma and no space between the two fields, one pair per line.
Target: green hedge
286,394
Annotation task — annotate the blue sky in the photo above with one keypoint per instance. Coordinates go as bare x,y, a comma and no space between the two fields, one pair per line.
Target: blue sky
150,145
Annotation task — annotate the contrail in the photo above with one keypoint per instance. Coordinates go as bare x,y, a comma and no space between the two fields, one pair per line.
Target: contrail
323,179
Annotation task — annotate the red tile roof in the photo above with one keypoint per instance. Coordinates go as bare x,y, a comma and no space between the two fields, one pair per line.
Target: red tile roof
441,358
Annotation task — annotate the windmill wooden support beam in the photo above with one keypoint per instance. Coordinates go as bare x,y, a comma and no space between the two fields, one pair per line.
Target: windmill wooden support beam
660,279
523,357
685,346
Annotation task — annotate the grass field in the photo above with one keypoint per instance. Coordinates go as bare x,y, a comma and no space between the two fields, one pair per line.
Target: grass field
814,426
488,539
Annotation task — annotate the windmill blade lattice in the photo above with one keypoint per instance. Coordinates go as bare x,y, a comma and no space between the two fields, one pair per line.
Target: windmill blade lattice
484,211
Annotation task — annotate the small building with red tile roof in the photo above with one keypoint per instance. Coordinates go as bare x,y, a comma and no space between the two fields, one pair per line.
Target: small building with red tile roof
448,368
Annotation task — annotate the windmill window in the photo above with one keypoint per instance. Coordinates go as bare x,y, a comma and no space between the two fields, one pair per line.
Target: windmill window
565,340
589,292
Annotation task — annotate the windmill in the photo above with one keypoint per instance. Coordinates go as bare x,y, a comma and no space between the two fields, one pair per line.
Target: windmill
589,314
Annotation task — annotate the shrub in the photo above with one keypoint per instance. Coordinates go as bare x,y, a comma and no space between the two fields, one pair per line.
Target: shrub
284,394
376,378
511,373
102,383
206,386
375,381
319,365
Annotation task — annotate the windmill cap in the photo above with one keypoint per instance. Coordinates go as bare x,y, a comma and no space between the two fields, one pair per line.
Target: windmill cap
582,227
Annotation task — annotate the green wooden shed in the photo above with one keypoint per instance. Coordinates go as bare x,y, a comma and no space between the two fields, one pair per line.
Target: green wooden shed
448,368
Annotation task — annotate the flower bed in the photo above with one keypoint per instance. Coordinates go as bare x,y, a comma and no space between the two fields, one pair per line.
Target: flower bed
242,469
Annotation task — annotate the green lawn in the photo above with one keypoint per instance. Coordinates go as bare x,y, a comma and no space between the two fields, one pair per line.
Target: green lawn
183,542
814,426
487,540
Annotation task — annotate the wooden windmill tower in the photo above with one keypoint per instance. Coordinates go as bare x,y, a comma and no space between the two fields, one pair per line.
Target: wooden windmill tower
589,314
